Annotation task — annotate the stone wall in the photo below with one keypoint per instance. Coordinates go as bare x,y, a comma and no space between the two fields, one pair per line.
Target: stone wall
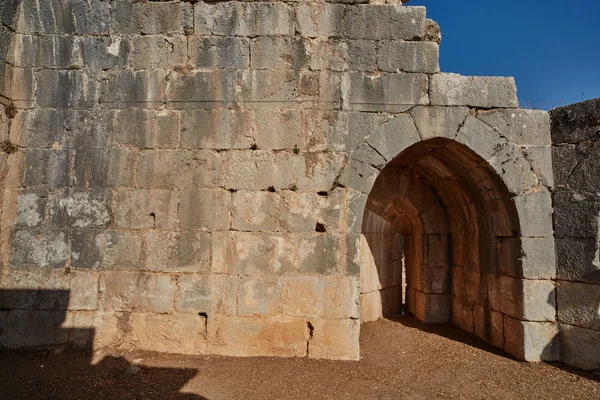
576,163
195,175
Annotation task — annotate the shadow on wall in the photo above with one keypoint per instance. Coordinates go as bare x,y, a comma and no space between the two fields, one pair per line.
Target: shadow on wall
32,317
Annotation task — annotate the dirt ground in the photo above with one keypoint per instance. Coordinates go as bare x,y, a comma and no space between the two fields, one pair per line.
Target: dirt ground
400,359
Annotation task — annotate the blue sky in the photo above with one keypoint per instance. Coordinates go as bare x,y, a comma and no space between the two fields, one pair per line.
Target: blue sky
551,47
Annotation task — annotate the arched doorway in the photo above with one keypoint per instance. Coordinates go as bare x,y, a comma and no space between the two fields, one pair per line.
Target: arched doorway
457,216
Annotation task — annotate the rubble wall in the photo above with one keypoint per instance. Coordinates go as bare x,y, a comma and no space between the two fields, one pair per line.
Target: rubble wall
576,163
195,173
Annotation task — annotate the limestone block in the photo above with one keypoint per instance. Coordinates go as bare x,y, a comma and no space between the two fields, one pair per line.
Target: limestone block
194,294
462,313
29,328
531,300
20,84
319,19
532,258
535,213
187,251
168,169
522,127
204,209
240,336
80,328
253,253
48,290
277,52
474,91
38,249
53,16
219,52
251,170
145,209
539,300
579,304
540,159
531,341
393,56
384,22
257,211
575,214
210,88
564,160
497,329
66,89
577,260
217,129
79,209
48,168
109,329
370,307
575,123
139,291
244,19
120,167
391,300
224,291
479,137
278,129
359,176
267,88
394,136
106,250
313,297
318,253
146,129
150,18
432,308
88,168
307,171
361,55
183,334
302,211
128,88
259,296
583,176
104,52
334,339
42,51
384,91
442,122
579,347
24,208
157,51
510,163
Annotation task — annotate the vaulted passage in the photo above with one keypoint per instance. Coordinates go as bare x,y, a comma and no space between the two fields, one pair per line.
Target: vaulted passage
439,231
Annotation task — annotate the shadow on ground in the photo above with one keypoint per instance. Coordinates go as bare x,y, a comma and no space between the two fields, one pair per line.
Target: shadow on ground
31,317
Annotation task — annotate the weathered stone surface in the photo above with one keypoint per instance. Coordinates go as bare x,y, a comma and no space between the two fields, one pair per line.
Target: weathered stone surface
279,53
145,209
394,136
38,249
578,304
384,91
217,129
218,52
29,328
204,209
152,18
514,169
67,89
531,341
307,171
106,250
249,170
334,339
531,300
194,294
278,129
146,129
80,209
576,214
578,259
152,52
575,123
187,251
143,292
579,347
540,159
127,88
535,213
435,122
479,137
393,56
522,127
474,91
532,258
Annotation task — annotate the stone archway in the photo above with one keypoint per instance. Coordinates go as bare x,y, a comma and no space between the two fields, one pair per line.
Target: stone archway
460,208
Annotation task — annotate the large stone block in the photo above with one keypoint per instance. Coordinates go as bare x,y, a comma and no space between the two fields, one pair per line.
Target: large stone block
30,328
104,52
257,211
80,209
38,249
181,169
394,56
187,251
42,51
244,19
276,52
150,18
278,129
204,209
531,341
48,290
335,339
259,296
578,259
252,253
580,347
535,213
522,127
24,208
432,308
307,171
575,123
146,129
474,91
217,129
152,52
106,250
442,122
55,16
251,170
576,214
120,167
220,52
579,304
137,291
385,91
209,88
514,169
532,258
89,168
195,294
129,88
394,136
479,137
540,159
67,89
48,168
145,209
177,333
527,299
